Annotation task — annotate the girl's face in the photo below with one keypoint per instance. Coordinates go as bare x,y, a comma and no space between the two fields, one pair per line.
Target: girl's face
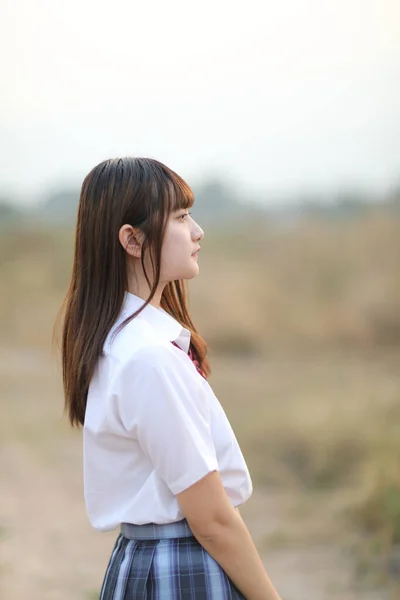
181,241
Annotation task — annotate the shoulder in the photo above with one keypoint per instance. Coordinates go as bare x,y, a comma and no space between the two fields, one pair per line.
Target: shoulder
149,365
156,356
157,380
130,339
139,344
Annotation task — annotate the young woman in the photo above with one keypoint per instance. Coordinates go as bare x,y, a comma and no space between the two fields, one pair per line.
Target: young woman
161,461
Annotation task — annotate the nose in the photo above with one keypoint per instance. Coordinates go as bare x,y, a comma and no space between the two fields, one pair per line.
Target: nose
197,232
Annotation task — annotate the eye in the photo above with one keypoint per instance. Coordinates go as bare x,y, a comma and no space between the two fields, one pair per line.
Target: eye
185,215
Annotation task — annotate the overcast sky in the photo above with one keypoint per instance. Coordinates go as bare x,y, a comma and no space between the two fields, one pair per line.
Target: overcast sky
283,96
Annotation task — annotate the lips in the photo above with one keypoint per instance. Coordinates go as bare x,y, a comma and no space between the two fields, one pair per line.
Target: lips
196,251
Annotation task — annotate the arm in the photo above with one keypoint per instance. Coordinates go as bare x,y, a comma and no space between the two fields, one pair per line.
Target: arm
161,404
219,528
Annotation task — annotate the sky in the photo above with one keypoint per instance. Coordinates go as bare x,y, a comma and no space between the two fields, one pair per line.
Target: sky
280,98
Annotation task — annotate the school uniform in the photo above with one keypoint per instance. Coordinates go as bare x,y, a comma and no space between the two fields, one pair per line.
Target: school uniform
153,427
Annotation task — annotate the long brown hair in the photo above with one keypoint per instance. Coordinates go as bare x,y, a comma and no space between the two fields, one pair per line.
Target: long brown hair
140,192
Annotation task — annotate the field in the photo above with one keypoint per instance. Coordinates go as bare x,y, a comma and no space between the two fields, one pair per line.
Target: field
303,325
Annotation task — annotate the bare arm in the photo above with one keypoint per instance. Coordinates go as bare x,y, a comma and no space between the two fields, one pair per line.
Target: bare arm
219,528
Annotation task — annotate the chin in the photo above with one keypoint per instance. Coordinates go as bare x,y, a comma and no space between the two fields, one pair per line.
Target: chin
191,273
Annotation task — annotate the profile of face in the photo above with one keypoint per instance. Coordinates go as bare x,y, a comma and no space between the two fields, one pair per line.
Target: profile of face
180,246
179,258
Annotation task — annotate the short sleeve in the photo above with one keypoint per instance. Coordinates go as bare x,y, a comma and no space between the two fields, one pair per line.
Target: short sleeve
162,404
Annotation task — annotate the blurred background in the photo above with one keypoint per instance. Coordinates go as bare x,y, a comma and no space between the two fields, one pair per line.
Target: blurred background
284,119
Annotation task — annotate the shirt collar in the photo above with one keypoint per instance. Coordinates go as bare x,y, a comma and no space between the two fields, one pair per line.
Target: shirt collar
168,327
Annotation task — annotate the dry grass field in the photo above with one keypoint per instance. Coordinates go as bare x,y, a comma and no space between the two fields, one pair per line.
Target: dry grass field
303,325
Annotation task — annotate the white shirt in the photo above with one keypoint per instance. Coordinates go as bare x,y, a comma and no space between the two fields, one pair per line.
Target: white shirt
153,426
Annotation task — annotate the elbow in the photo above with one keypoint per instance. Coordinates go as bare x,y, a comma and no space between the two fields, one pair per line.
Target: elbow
213,529
207,508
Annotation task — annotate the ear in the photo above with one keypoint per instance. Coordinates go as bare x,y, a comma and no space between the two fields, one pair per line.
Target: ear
131,239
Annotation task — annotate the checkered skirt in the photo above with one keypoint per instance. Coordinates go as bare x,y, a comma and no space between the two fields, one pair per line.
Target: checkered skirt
164,562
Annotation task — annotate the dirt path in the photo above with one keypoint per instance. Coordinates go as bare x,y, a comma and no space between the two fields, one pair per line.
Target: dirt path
302,555
49,551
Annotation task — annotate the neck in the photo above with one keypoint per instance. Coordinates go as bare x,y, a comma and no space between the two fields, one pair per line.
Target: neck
143,291
137,284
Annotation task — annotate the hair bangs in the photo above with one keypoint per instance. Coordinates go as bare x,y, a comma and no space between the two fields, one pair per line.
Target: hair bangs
183,196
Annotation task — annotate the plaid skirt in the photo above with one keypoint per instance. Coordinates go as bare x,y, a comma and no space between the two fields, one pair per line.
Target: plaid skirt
164,562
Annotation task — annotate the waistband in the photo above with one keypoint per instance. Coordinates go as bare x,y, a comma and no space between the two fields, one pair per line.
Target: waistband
155,531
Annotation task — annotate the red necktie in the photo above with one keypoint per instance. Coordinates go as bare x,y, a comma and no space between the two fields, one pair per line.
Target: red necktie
192,358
